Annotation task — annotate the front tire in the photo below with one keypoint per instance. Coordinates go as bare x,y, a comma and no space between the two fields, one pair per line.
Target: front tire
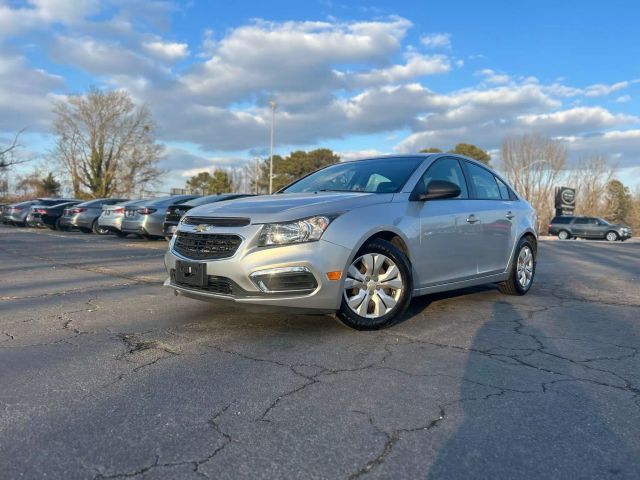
611,236
523,269
563,235
378,287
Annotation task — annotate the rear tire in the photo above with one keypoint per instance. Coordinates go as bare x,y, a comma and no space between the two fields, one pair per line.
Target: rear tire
612,236
386,282
522,271
563,235
98,230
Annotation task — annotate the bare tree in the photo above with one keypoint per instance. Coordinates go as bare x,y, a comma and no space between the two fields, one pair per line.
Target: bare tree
590,177
534,165
106,143
7,157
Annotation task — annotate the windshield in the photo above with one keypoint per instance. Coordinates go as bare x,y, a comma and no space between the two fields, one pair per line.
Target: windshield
602,221
380,175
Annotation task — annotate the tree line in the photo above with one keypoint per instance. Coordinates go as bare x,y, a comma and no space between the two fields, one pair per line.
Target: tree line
105,146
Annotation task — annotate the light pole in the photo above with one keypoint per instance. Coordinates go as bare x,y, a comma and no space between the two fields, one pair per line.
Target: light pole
273,120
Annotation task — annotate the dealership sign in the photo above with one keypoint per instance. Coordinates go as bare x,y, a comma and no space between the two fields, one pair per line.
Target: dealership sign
565,200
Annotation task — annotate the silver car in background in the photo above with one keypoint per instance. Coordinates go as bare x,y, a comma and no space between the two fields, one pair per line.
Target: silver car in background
84,216
112,216
17,213
147,218
361,239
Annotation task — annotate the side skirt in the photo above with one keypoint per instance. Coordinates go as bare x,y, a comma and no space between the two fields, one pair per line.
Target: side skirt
443,287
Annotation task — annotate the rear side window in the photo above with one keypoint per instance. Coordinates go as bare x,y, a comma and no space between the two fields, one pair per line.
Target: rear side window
447,169
484,183
504,190
581,221
562,220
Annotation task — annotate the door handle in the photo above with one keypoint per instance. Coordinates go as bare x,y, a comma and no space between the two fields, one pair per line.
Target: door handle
509,215
472,219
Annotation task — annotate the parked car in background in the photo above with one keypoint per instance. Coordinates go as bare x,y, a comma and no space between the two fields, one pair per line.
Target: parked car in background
566,227
84,216
49,216
147,218
3,208
175,212
17,213
360,238
112,216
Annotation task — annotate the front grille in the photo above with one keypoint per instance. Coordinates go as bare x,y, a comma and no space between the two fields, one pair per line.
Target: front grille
219,285
217,221
206,246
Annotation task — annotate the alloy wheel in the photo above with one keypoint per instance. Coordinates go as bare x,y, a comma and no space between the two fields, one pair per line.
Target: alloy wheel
612,236
524,267
373,286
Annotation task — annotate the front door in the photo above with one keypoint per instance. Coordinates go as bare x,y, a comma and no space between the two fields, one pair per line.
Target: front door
448,230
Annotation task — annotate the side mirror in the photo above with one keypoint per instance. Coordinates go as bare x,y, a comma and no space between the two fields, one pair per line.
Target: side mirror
439,189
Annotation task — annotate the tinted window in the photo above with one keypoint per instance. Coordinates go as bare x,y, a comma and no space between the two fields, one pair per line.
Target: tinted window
593,221
581,221
561,220
447,169
380,175
484,183
504,190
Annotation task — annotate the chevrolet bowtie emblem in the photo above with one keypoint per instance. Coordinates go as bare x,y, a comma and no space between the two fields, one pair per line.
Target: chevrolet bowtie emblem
203,227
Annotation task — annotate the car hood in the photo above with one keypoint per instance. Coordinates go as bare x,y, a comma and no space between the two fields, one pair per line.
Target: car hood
290,206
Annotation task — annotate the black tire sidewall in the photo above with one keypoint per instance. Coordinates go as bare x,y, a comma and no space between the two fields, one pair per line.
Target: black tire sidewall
514,268
353,320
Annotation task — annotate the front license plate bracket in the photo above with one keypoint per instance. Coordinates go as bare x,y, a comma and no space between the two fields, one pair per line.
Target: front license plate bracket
191,273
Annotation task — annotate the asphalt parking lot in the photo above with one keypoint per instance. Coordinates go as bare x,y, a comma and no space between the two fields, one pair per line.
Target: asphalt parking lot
106,374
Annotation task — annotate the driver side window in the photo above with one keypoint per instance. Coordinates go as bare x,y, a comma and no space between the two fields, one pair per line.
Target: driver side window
447,169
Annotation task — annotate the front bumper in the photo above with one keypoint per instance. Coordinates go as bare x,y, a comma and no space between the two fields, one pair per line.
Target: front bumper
317,257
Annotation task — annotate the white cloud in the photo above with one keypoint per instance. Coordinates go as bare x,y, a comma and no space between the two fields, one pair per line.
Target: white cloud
437,40
602,89
25,93
491,76
623,99
167,50
38,13
579,118
417,65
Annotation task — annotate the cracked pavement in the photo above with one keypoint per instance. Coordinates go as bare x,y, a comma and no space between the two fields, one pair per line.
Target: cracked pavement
105,374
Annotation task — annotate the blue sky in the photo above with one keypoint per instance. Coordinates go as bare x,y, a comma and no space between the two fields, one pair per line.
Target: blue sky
359,77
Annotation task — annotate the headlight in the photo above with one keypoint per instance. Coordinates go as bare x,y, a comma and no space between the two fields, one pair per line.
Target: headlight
300,231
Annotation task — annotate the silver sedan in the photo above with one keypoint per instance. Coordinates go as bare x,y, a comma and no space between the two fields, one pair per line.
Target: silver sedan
360,239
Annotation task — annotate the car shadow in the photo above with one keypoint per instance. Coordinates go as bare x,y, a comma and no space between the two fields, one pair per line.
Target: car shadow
558,426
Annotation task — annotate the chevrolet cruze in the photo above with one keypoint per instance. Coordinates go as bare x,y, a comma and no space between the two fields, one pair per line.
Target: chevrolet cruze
360,239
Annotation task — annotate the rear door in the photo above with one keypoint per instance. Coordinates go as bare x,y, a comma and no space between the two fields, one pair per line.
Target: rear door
579,227
448,241
496,212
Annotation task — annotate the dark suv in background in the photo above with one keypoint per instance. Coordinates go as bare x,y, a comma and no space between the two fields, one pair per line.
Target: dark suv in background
566,227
